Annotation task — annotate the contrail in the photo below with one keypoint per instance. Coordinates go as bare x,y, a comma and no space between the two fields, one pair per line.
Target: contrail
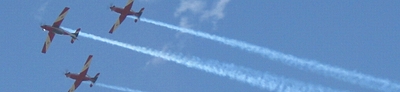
114,87
252,77
303,64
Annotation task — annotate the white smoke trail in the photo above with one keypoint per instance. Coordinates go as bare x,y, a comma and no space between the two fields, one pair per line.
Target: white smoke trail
252,77
303,64
114,87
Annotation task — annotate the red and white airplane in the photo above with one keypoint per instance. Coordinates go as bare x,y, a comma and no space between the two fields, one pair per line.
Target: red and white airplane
55,29
82,76
124,12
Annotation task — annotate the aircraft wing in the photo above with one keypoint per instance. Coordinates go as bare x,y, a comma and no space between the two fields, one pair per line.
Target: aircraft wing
129,5
75,85
60,17
86,66
48,41
117,23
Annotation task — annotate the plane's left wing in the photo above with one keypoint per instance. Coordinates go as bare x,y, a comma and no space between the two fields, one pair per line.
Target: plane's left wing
86,66
60,17
129,5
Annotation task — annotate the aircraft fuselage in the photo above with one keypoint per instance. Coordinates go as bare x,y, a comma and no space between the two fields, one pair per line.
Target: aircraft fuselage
122,11
78,77
57,30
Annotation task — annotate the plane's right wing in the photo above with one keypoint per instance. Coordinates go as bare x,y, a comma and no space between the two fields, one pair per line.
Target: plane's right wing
117,23
75,86
48,41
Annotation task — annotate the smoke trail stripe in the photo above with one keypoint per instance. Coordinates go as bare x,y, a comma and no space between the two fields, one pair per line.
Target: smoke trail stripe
252,77
114,87
314,66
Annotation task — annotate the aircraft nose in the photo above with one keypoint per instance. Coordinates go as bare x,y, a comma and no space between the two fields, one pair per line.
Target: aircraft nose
43,28
67,74
112,7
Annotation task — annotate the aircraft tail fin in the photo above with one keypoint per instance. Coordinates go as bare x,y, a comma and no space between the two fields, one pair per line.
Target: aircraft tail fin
139,14
75,34
94,79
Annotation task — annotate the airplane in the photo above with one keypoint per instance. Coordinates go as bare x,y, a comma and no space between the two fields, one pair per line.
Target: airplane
82,76
124,12
55,29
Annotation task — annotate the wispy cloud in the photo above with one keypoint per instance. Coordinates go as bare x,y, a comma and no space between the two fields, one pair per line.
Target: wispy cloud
175,45
194,6
184,22
217,12
40,11
156,60
198,8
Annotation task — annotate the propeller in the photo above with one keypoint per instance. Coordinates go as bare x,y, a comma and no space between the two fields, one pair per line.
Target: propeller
111,5
42,23
66,71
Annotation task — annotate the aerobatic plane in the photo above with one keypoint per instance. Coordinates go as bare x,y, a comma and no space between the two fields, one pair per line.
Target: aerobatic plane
124,12
82,76
55,29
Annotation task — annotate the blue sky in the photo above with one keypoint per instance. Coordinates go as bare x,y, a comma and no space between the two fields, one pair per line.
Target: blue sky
359,36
